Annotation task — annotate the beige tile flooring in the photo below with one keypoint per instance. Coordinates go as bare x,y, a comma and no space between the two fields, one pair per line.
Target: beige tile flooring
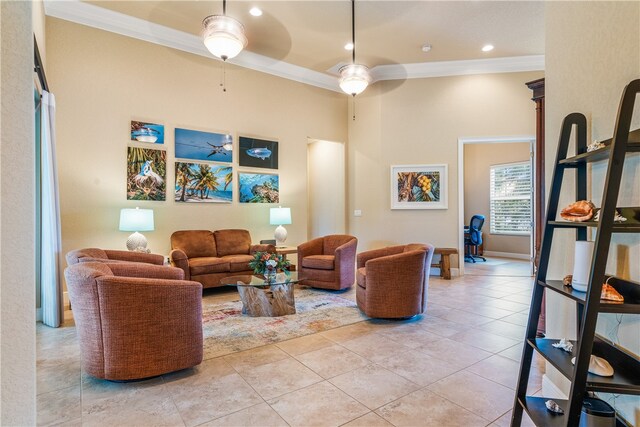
457,365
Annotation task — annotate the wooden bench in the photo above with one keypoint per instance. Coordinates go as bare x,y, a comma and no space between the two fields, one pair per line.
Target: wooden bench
445,262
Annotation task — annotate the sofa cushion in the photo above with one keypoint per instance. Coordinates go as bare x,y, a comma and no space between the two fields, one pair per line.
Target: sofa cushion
319,262
361,277
194,243
232,242
238,262
207,265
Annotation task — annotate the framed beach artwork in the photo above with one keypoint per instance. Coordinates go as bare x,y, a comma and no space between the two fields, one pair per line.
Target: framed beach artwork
258,188
419,187
146,174
203,183
208,146
258,153
150,133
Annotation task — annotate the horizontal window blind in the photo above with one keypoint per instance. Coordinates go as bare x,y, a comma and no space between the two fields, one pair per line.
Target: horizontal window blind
510,206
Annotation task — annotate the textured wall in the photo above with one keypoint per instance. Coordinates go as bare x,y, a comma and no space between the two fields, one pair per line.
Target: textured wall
419,122
103,80
592,52
17,224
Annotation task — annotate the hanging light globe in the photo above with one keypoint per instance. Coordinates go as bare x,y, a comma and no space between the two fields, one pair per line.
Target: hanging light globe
223,36
354,78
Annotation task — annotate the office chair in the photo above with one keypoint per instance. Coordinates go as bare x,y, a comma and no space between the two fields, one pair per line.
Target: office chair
473,238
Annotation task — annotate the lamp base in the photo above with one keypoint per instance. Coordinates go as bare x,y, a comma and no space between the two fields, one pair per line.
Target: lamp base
137,242
280,235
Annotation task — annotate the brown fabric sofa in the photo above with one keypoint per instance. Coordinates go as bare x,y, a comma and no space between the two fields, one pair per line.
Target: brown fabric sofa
135,320
207,257
392,282
107,255
328,262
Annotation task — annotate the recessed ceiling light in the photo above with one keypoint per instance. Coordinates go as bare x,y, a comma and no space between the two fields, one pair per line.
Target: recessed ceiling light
348,46
487,48
255,11
426,47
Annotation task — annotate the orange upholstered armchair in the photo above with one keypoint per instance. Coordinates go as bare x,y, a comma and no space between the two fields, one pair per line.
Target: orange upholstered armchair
392,282
135,320
107,255
328,262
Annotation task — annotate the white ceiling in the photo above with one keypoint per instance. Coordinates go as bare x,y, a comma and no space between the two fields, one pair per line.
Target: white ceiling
304,40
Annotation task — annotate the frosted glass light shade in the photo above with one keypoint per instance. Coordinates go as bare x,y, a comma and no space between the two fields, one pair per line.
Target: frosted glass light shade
223,36
136,220
280,216
354,78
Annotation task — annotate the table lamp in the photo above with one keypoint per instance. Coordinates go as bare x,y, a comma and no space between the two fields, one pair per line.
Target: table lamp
280,216
136,220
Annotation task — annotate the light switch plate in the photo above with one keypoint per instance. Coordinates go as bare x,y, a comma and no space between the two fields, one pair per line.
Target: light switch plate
357,212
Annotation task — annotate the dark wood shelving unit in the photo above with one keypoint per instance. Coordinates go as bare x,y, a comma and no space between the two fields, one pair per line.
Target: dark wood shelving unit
626,378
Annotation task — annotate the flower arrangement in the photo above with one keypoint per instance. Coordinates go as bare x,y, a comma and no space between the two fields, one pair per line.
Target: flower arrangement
268,264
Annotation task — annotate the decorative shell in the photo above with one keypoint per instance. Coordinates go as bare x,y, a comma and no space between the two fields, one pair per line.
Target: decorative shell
565,345
567,280
595,145
609,293
598,366
553,407
579,211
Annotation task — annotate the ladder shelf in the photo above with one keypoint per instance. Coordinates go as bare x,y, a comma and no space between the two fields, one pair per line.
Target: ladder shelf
588,304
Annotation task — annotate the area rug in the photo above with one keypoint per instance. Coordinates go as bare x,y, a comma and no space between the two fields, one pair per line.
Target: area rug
226,330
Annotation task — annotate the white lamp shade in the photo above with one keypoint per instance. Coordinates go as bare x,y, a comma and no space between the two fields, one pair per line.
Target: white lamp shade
280,216
136,220
354,78
223,36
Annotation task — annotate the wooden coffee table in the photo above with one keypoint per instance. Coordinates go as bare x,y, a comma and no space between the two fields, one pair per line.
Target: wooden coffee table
265,299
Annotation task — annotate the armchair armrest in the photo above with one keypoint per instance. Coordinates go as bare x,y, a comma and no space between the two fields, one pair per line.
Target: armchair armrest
365,256
145,271
262,248
179,259
135,256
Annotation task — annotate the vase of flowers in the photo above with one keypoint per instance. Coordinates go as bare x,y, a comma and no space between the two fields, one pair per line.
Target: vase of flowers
268,264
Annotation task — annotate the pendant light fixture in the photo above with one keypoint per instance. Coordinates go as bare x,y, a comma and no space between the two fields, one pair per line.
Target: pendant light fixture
223,35
354,78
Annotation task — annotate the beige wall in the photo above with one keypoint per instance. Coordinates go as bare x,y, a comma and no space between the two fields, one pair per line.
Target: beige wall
102,81
38,19
17,222
592,52
419,122
478,159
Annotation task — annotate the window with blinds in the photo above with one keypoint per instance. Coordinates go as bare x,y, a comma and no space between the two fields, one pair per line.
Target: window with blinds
510,206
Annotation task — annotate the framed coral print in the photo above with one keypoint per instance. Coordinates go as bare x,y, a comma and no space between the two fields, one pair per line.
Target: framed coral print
419,187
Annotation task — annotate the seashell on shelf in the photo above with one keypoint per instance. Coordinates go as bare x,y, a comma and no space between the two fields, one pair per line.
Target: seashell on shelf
598,366
616,217
567,280
580,211
565,345
595,145
553,407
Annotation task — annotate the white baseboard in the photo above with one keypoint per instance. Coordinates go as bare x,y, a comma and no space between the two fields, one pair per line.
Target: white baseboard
39,314
507,255
549,389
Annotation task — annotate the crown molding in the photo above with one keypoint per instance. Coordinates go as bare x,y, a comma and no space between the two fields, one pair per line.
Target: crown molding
115,22
458,68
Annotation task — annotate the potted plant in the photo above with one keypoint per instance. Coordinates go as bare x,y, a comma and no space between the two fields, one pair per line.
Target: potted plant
268,264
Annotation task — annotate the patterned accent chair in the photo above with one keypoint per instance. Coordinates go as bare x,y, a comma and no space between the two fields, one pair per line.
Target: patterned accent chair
135,320
392,282
328,262
107,255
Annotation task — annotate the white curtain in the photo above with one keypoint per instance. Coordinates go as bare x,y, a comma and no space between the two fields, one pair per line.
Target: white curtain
51,283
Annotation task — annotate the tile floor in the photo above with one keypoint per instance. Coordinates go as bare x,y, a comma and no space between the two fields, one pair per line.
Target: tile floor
457,365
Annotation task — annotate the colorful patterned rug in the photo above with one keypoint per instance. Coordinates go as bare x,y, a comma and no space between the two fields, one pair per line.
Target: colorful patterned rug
227,330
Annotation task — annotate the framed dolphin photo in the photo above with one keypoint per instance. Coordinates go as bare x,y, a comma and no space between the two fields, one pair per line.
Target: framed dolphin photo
258,153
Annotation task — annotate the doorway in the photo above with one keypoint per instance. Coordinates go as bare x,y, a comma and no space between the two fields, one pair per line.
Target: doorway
326,188
486,167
